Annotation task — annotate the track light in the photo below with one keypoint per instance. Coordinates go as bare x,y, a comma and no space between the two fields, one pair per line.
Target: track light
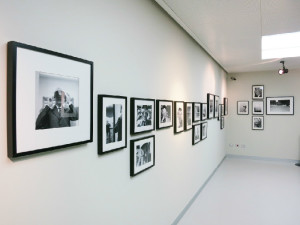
283,70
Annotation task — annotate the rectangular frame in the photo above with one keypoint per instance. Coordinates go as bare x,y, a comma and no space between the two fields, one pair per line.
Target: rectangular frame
256,106
164,115
142,115
216,108
145,157
258,92
225,102
196,111
204,127
285,107
222,122
112,123
203,111
258,123
210,106
179,116
33,75
243,107
188,116
196,138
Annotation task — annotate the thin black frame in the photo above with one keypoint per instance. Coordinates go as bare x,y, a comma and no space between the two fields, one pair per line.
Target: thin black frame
101,142
132,155
208,106
288,114
200,108
203,119
186,127
247,108
220,111
12,86
225,102
133,119
216,109
175,117
193,135
263,91
255,113
202,130
263,123
158,101
222,122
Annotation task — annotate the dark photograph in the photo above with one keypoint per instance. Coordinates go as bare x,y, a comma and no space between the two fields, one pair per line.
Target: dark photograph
113,123
144,115
143,154
257,91
257,122
165,116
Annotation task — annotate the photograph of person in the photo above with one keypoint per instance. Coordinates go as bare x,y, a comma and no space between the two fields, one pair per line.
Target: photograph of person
113,123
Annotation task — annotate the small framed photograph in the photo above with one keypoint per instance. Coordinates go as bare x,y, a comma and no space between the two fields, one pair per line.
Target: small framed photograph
257,107
280,105
112,123
222,122
196,134
243,107
142,154
179,116
164,116
225,102
46,92
203,111
196,110
258,92
188,106
257,122
203,130
210,106
220,111
216,104
142,115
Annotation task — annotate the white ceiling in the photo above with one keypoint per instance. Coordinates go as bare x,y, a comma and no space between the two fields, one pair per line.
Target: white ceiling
230,30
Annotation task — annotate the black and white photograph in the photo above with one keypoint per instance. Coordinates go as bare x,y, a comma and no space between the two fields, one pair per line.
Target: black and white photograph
225,102
258,92
210,106
112,123
257,107
243,107
204,130
179,116
203,111
222,122
220,111
142,154
142,115
257,123
216,104
196,134
280,105
197,111
164,116
188,123
48,91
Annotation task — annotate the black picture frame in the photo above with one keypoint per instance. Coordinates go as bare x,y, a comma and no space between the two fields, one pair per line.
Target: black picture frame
210,106
203,111
222,122
179,113
257,107
216,103
243,107
258,123
196,138
220,111
142,115
204,127
196,111
49,118
188,116
280,105
142,154
225,102
258,92
164,114
112,123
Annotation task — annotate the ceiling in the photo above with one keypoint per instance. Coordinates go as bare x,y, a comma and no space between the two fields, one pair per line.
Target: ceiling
230,30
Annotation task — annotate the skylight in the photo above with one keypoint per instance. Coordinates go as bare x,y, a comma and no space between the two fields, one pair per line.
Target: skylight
280,45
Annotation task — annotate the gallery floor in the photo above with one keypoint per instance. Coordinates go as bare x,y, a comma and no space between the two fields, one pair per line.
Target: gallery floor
248,192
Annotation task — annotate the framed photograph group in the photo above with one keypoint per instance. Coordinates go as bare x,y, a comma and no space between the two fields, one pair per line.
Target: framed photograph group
164,116
46,93
280,105
243,107
257,122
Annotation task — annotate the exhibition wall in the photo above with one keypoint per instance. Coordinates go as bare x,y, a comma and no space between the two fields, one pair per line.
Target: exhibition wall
138,51
280,138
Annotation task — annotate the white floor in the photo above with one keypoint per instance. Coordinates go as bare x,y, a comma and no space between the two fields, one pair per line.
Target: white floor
248,192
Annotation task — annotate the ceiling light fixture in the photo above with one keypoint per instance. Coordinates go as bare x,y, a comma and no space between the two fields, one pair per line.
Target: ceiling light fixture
283,70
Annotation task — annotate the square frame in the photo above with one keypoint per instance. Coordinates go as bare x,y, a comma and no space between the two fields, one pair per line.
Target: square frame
112,123
257,107
243,107
179,113
210,106
258,123
203,129
29,70
188,116
258,92
196,138
203,111
164,114
142,115
280,105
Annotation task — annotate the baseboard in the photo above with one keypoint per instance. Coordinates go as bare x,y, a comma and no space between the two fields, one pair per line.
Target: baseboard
262,158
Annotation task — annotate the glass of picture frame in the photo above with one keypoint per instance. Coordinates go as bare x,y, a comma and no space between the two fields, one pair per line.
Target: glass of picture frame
210,106
196,111
257,123
216,104
280,105
258,92
164,116
222,122
179,116
243,107
204,130
203,111
257,107
196,134
225,102
188,118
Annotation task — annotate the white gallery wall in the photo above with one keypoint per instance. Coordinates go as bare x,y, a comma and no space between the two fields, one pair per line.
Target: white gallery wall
138,51
280,138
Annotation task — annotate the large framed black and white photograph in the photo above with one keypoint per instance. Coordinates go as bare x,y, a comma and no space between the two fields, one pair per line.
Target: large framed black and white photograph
142,154
225,103
257,107
196,134
210,106
258,92
112,123
188,123
203,111
257,122
280,105
204,130
142,115
164,116
179,116
216,104
196,111
243,107
46,93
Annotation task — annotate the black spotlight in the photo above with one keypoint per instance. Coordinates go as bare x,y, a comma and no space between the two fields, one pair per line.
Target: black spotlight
283,70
